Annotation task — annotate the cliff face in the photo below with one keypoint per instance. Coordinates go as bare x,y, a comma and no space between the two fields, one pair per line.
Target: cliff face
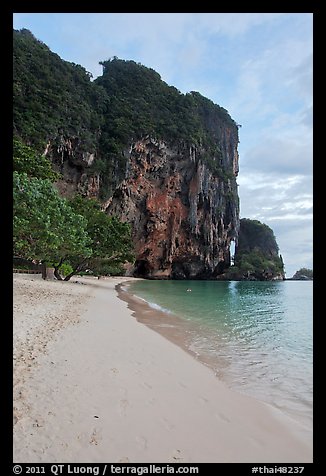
183,216
164,161
74,162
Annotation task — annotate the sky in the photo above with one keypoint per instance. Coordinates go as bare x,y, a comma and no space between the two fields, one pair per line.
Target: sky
258,66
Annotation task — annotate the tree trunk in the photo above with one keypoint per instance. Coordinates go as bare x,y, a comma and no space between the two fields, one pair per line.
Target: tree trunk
70,275
56,270
57,274
76,270
43,271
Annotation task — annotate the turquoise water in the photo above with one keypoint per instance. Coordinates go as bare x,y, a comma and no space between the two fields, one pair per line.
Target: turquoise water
257,336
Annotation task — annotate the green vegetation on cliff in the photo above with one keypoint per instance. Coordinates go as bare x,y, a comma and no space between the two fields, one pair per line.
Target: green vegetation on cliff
141,103
52,97
56,101
25,160
256,254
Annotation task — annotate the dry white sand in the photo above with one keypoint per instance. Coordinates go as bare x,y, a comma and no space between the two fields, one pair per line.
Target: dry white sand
92,384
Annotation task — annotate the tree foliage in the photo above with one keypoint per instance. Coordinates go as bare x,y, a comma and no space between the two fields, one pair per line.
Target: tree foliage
111,241
52,97
45,227
50,229
256,235
26,160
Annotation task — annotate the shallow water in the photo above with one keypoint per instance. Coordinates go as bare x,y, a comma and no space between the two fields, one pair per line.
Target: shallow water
257,336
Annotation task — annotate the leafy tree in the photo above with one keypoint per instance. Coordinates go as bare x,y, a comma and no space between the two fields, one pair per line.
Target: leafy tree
111,241
45,227
78,234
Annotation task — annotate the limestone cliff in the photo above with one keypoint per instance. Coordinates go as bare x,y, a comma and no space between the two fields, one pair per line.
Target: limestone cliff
70,158
183,216
164,161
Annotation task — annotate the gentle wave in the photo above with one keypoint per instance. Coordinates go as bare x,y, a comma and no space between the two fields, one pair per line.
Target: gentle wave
155,306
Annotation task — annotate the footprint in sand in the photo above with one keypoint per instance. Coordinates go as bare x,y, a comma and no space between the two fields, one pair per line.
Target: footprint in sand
256,442
177,456
220,416
203,400
123,404
151,401
168,425
141,442
95,437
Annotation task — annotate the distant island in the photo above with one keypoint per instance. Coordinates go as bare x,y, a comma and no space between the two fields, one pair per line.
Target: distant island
303,274
256,255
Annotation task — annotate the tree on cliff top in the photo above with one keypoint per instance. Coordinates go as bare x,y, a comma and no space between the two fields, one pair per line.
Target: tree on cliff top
52,97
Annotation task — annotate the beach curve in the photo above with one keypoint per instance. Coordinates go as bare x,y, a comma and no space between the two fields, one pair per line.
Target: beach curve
95,385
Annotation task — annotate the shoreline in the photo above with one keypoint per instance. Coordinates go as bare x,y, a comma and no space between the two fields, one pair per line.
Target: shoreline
105,388
181,332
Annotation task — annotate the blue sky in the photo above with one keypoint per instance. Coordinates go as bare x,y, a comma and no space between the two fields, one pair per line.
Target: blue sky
258,66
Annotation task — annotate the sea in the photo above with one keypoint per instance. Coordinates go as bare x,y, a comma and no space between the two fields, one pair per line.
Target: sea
256,336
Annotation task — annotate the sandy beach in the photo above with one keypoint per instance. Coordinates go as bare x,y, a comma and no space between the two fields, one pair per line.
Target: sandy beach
92,384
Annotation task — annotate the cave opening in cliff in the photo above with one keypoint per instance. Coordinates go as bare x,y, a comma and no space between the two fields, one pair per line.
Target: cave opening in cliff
142,268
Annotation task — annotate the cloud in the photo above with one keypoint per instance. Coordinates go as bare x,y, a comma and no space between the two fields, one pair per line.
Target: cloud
269,196
231,24
166,41
295,240
281,155
285,204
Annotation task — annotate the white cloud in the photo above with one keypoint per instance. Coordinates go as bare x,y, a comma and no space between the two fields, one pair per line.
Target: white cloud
232,24
285,204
